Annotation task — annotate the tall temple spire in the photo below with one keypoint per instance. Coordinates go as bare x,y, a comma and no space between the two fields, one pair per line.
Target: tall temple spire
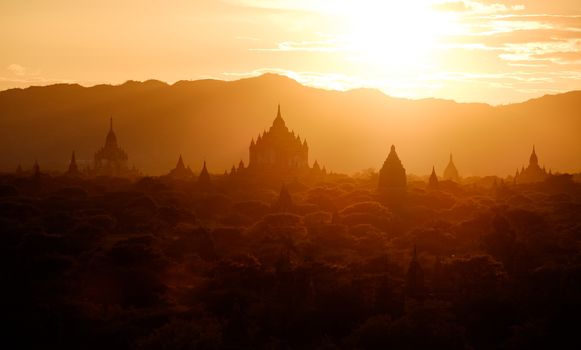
533,172
180,164
204,177
278,121
73,168
181,171
433,181
451,173
534,160
111,137
392,174
111,160
278,149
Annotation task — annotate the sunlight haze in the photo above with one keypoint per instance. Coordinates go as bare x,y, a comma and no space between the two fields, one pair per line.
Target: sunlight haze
470,51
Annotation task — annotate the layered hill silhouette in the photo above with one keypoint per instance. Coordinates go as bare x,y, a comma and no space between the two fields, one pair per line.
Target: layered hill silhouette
348,131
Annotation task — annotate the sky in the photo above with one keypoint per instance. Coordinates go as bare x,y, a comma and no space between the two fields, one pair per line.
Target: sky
495,52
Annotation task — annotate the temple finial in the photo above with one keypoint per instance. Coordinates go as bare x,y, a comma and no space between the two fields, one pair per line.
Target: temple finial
534,159
111,123
278,121
180,163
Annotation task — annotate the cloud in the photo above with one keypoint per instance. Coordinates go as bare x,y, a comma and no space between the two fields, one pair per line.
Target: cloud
305,46
540,42
571,22
29,79
527,36
295,6
476,7
17,70
559,52
560,57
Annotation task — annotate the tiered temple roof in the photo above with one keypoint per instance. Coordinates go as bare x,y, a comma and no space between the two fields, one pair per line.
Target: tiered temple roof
111,160
532,173
392,174
278,149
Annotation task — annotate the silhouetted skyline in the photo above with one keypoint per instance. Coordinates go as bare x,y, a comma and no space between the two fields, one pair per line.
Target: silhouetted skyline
277,154
159,122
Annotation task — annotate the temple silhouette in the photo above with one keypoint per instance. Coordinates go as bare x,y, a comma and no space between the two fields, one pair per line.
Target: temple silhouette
73,167
278,150
392,174
112,160
276,157
181,171
204,177
533,172
433,180
451,173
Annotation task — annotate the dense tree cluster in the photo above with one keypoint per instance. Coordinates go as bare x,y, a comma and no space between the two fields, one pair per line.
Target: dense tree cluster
328,263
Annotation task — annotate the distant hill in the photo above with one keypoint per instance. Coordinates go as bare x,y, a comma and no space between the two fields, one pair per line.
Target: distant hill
346,131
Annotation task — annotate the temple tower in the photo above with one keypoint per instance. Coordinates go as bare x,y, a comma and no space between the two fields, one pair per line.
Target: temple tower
111,160
73,168
433,180
451,173
278,149
532,173
392,174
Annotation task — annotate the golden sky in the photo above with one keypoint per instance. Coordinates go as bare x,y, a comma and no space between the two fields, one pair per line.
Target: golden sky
471,51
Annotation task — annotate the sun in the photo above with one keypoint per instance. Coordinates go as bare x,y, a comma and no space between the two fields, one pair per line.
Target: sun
386,37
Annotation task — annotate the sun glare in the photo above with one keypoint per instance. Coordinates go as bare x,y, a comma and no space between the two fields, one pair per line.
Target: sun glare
389,37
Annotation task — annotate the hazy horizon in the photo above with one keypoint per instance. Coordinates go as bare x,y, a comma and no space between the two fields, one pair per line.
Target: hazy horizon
494,52
171,83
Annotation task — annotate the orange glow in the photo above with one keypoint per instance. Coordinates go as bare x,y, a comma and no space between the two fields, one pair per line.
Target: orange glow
468,51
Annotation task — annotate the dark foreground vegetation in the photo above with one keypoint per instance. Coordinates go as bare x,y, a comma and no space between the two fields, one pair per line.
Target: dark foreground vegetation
164,264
